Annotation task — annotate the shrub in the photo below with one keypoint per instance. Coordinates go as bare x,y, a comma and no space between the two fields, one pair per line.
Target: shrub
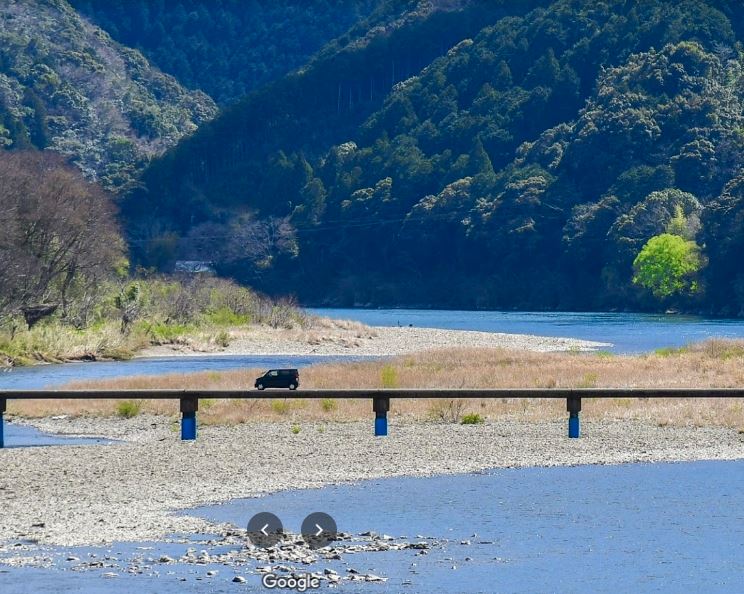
162,333
223,339
472,419
722,349
295,429
280,407
588,380
328,404
670,351
224,316
449,411
206,403
128,409
389,377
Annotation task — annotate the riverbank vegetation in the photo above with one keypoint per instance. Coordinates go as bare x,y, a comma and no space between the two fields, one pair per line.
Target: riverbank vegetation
717,364
126,316
66,290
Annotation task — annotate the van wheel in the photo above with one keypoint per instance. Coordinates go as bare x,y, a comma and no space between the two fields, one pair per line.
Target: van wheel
292,386
260,386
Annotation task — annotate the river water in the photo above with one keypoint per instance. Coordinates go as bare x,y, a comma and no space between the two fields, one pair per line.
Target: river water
628,333
626,528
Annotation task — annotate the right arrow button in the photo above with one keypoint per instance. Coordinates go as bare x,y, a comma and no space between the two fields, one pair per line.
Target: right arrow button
319,530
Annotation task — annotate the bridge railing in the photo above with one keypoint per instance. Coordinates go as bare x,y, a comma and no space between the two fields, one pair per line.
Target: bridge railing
189,399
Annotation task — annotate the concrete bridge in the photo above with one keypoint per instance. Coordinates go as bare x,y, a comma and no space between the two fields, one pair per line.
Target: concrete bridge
380,399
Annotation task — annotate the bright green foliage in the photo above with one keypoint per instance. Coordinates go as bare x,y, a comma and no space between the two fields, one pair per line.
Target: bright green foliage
472,419
328,404
389,377
667,266
281,407
128,409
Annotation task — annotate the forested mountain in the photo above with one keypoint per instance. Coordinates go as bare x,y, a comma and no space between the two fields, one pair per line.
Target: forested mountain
66,86
260,146
226,47
480,154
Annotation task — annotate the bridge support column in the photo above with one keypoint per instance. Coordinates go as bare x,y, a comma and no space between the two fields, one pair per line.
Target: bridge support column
381,406
573,405
3,404
189,406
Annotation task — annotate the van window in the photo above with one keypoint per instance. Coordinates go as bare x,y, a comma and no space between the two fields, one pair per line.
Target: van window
273,373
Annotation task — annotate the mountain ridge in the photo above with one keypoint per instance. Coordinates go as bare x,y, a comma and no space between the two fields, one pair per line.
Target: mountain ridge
66,86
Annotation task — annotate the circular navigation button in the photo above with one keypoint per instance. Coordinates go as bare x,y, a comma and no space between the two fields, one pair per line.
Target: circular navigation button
319,530
265,530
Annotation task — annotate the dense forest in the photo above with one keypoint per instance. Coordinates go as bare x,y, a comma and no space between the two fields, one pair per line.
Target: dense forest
481,154
538,154
66,86
225,48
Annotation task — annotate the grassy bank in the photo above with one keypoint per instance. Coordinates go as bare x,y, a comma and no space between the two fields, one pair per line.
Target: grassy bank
123,318
710,364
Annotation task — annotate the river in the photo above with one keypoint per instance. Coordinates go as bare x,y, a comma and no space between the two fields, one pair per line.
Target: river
628,528
614,529
628,333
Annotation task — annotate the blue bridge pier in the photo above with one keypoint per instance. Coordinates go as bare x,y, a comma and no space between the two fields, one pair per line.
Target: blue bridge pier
189,407
380,407
573,405
3,405
189,399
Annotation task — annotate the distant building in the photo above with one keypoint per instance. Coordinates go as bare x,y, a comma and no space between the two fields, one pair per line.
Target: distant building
194,267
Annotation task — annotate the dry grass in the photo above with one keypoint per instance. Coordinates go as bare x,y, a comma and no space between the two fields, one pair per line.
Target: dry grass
717,364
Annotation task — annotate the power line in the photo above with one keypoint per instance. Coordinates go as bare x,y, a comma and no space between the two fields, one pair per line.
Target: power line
341,224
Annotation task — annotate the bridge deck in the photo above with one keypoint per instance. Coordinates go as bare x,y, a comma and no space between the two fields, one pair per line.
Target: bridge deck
189,399
379,393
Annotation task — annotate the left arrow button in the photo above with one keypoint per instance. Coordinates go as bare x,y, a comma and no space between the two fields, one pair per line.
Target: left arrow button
265,530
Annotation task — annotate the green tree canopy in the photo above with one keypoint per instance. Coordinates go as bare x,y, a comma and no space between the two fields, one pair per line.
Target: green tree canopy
667,266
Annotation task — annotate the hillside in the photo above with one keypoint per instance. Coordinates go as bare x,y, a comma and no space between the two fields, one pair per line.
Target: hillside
483,155
225,48
260,146
66,85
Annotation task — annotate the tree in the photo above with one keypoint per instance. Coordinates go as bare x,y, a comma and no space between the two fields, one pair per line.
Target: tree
667,266
59,234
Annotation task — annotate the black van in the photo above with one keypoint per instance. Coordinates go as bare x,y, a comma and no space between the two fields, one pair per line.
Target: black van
279,378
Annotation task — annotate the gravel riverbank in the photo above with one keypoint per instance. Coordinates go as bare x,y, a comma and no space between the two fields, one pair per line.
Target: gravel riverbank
75,495
331,337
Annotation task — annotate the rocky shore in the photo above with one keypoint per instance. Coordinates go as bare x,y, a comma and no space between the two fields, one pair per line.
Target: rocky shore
81,495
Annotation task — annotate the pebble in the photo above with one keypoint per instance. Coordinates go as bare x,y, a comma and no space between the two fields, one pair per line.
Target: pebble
239,579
